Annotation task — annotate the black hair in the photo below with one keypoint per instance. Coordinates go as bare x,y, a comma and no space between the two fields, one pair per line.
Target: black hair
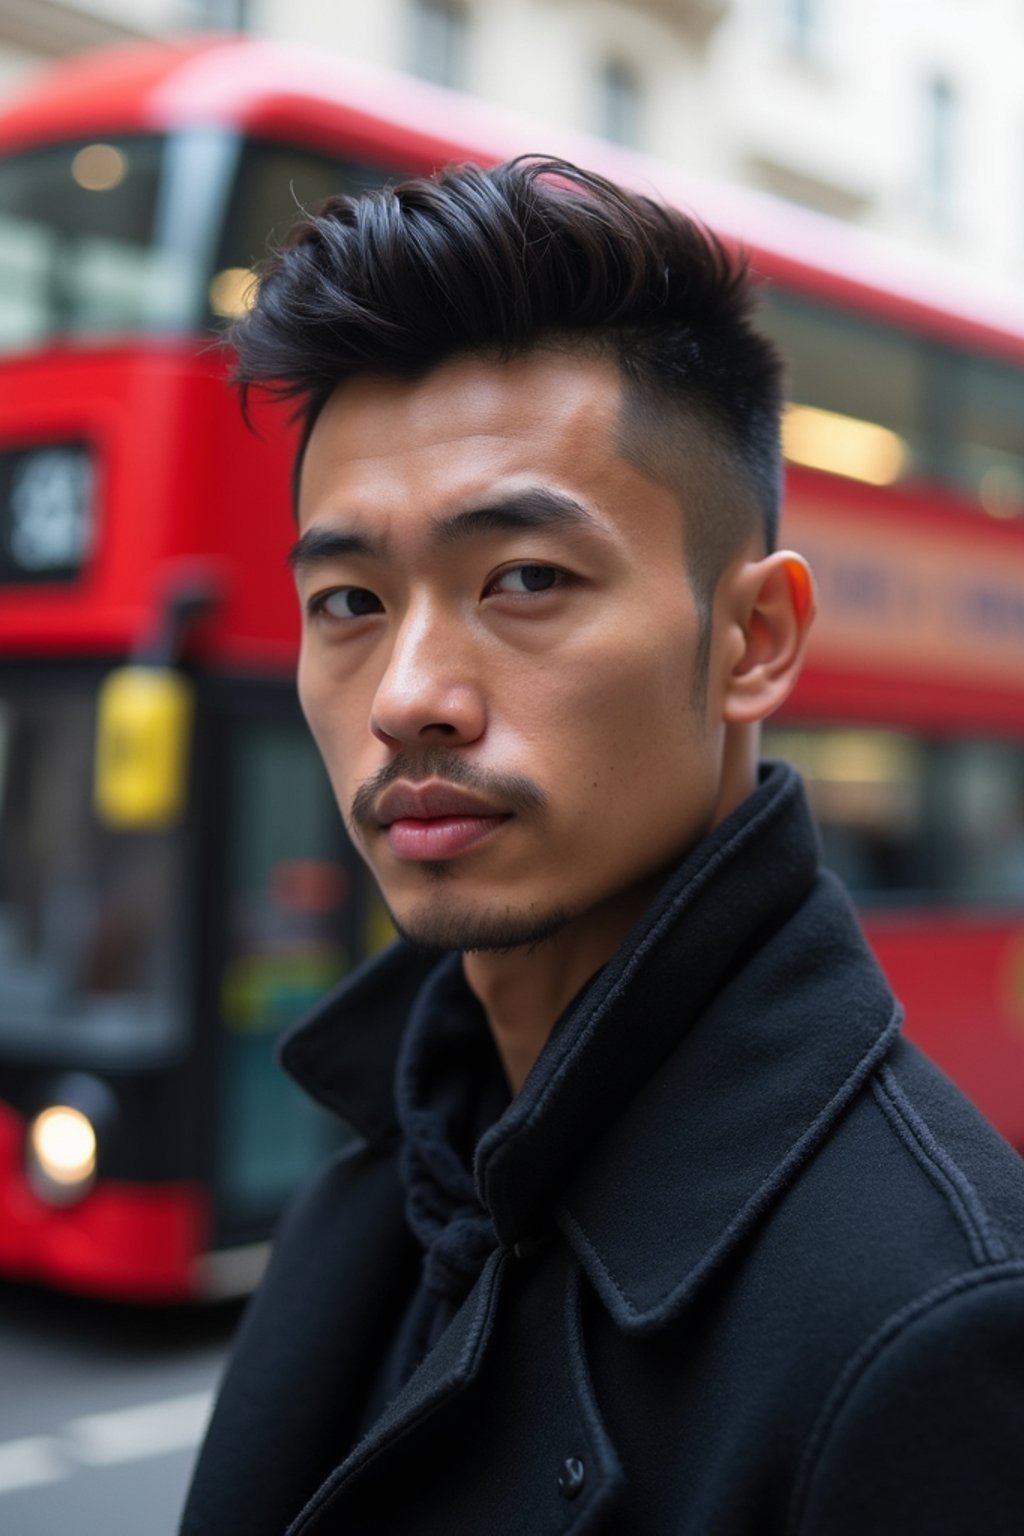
529,254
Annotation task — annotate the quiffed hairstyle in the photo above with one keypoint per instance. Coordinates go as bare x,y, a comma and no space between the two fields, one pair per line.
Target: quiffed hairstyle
538,253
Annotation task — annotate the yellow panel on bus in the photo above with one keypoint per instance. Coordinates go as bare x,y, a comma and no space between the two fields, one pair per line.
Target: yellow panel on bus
143,728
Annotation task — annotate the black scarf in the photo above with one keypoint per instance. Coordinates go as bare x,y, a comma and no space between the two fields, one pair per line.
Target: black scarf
449,1088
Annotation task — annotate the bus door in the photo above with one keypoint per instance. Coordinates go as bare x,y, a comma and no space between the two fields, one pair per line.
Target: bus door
290,919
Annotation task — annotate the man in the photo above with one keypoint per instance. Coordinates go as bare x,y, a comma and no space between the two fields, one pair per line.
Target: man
655,1225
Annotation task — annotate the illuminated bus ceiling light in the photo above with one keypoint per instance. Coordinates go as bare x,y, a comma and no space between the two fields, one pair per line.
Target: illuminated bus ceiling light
99,167
843,445
233,292
848,757
62,1149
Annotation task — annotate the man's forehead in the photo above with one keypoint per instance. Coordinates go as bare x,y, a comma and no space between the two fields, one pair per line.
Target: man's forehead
530,402
469,395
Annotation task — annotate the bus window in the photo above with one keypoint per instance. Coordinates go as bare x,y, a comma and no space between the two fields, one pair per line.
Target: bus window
977,790
987,454
86,913
848,375
908,820
275,185
289,920
866,788
880,405
76,242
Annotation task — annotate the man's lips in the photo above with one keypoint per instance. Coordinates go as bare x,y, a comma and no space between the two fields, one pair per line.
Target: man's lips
435,820
433,801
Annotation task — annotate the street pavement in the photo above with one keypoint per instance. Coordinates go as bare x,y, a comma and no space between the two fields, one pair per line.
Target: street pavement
101,1411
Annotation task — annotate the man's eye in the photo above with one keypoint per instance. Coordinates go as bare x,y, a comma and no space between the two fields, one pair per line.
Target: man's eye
527,578
347,603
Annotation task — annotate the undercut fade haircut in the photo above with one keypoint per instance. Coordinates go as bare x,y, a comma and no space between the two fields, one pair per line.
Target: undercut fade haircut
535,254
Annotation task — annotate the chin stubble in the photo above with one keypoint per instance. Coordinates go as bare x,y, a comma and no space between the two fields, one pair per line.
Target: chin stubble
499,933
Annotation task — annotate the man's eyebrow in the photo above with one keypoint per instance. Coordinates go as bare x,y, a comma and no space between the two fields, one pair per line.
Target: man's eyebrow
537,507
534,508
318,545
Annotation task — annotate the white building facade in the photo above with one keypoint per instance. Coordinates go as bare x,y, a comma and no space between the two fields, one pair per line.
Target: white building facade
905,116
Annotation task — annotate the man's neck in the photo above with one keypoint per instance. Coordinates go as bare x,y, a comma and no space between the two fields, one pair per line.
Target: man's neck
525,990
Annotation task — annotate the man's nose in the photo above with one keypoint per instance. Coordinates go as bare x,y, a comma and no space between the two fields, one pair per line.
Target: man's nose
431,690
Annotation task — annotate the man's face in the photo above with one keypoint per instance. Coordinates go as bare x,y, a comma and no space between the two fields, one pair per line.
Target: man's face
499,650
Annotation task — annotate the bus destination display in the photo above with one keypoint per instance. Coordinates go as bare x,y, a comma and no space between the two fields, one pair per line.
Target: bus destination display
47,511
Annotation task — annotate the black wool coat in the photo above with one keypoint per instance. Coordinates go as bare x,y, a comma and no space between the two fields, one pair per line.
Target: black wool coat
759,1270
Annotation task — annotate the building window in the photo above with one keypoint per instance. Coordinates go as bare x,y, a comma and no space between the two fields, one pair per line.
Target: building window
438,42
940,134
221,15
619,103
803,23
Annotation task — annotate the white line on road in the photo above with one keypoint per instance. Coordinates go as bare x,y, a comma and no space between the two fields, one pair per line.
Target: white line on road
28,1463
105,1439
129,1434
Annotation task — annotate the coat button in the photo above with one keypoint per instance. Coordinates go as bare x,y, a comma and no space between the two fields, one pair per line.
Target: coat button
571,1477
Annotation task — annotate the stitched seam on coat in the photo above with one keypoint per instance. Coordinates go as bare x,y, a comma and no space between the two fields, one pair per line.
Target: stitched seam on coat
858,1365
940,1168
653,1312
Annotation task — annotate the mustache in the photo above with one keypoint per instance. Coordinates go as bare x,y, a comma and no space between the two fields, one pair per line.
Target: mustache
508,791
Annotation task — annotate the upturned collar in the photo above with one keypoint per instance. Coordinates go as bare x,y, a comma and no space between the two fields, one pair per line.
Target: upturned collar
680,1092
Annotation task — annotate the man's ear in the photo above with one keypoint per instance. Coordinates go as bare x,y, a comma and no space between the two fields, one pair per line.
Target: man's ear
771,608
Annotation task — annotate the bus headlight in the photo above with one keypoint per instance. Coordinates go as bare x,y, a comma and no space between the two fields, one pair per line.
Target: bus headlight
61,1154
62,1148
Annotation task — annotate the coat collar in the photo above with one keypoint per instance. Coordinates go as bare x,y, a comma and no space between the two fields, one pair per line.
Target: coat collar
714,1137
680,1093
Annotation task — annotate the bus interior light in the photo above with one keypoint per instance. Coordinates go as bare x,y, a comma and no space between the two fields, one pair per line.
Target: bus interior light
843,445
233,292
99,167
61,1153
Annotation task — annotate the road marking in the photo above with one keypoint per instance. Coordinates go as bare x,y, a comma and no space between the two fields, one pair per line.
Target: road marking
30,1462
105,1440
130,1434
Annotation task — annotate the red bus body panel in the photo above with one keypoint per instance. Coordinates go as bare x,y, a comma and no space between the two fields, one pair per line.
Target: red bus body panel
961,977
921,609
184,487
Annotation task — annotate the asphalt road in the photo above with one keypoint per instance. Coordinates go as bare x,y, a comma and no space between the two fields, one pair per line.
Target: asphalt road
101,1410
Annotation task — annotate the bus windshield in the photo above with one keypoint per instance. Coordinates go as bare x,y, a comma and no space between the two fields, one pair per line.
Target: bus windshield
86,912
104,239
143,234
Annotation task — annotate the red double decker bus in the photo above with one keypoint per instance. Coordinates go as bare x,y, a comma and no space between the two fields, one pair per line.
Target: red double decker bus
175,885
